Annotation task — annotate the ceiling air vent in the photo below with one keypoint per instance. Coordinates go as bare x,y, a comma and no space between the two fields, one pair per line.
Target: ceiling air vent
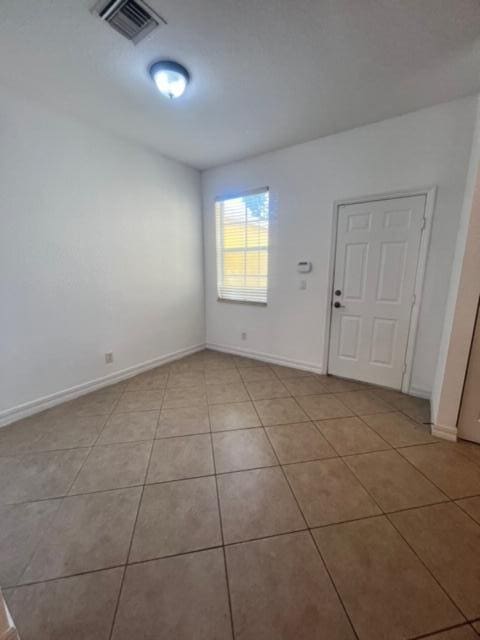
134,19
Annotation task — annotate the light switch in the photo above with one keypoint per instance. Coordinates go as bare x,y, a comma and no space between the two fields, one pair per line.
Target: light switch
303,284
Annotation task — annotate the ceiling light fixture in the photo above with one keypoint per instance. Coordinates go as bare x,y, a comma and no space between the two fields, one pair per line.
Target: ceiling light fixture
170,77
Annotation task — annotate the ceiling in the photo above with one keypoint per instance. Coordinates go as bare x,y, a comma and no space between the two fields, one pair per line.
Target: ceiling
265,73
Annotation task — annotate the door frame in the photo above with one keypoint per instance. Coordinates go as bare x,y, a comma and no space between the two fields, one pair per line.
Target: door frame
430,193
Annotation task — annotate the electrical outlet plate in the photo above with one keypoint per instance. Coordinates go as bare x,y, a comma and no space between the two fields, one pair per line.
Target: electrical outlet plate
108,357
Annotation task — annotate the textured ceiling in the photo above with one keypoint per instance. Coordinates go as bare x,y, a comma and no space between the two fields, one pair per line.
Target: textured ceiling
265,73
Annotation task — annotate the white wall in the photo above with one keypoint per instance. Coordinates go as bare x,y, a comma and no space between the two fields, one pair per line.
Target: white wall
100,250
461,308
428,147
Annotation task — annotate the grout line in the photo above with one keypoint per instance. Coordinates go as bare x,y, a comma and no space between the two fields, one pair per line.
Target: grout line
386,515
344,607
69,488
21,585
433,634
419,558
311,536
127,557
220,520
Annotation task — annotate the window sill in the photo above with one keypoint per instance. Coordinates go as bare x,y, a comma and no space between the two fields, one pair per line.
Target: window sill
252,302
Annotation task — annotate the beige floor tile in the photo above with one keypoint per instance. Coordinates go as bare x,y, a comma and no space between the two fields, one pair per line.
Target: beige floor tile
363,402
89,532
113,466
322,407
241,362
392,481
289,372
465,632
280,411
150,380
471,506
416,408
22,527
118,387
218,366
469,449
299,442
448,542
328,492
183,421
176,517
98,403
332,384
242,449
77,608
252,374
238,415
222,376
304,385
140,401
387,591
71,431
390,396
187,379
455,474
223,393
216,360
181,457
185,397
195,605
36,476
350,435
280,589
186,366
22,436
398,430
265,389
256,504
129,427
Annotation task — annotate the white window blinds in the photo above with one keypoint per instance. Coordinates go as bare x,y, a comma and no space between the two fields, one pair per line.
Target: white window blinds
242,247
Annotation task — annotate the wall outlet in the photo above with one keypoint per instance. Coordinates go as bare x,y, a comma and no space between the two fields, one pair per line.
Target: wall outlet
109,358
244,335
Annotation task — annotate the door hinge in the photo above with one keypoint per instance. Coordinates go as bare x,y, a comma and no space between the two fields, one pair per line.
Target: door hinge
404,368
424,223
414,299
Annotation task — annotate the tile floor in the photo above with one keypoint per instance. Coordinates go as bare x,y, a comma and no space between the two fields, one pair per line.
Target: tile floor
219,497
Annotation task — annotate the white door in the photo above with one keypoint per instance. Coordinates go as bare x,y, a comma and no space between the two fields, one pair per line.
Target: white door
375,268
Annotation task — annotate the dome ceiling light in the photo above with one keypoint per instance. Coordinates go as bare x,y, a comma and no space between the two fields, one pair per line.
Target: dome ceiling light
171,78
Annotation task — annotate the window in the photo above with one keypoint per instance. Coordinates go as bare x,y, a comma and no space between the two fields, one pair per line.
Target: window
242,247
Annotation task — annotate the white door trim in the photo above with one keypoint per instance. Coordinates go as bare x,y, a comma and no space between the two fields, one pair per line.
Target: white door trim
430,195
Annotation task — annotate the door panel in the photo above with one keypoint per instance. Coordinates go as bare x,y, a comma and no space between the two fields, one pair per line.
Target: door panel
375,269
469,419
355,271
391,271
349,337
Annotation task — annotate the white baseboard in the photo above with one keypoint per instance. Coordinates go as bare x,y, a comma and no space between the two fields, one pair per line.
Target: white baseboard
46,402
447,433
268,357
420,393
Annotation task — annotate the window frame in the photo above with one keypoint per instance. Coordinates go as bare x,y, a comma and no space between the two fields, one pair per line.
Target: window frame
219,252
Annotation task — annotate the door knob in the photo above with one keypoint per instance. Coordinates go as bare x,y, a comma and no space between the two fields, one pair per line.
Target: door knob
337,305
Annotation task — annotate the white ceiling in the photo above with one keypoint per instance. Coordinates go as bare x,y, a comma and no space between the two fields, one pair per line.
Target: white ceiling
265,73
